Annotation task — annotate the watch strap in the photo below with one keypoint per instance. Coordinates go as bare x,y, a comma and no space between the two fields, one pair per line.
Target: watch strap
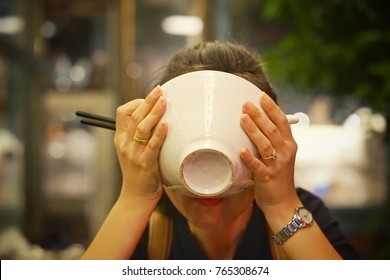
291,228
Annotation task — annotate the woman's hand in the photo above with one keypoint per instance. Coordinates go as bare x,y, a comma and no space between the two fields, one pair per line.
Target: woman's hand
273,169
137,120
141,188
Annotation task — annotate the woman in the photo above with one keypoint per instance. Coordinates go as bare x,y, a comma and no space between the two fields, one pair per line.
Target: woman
262,222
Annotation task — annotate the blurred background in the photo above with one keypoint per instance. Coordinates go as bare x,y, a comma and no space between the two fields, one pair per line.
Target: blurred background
328,60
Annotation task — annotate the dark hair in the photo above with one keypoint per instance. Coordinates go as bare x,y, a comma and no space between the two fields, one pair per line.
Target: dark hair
226,57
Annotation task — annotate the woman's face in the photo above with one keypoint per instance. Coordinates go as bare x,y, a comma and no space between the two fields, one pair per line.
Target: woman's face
210,213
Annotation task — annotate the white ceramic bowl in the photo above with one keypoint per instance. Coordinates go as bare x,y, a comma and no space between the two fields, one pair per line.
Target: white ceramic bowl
201,150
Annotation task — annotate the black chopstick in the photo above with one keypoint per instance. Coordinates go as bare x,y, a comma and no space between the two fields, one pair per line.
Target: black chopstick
96,120
109,123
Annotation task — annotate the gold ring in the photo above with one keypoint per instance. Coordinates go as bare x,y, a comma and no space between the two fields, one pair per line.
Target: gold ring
140,141
273,156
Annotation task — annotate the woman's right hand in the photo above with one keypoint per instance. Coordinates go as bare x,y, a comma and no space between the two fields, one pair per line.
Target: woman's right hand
141,188
139,119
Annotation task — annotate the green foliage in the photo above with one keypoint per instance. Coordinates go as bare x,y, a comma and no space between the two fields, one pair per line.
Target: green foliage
334,46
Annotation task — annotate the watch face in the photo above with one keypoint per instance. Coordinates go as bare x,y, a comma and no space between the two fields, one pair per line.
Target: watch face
305,215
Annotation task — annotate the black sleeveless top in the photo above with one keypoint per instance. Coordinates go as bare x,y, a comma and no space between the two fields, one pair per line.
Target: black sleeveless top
255,242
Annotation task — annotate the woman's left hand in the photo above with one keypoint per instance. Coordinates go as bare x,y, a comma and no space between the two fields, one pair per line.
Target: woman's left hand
273,169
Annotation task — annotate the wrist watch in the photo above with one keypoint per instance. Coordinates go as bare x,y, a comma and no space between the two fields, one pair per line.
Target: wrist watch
302,218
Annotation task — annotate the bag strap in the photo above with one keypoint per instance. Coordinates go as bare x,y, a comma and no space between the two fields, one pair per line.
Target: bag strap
160,236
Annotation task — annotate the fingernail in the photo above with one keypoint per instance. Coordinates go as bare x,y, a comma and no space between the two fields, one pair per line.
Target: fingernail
161,100
157,90
265,97
247,107
243,151
245,118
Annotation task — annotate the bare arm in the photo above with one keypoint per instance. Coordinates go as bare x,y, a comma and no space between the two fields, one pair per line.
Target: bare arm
141,188
307,243
122,229
274,189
